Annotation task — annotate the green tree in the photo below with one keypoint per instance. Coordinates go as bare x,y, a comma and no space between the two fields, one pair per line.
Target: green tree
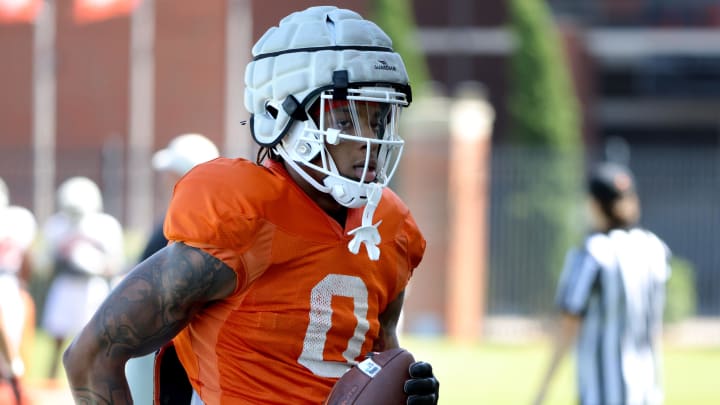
681,294
545,130
397,19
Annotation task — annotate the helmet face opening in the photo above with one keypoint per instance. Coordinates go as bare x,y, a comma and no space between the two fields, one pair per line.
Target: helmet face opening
368,117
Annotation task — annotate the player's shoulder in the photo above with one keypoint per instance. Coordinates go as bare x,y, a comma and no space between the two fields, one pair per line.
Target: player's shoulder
231,180
18,224
392,206
220,202
223,165
395,213
648,234
399,225
16,216
599,246
219,171
100,226
653,242
603,247
392,202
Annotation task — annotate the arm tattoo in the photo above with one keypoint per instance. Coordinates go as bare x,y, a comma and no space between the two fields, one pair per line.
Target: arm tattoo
147,309
86,396
159,298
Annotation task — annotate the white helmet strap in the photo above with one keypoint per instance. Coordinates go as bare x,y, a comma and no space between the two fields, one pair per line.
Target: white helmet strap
367,233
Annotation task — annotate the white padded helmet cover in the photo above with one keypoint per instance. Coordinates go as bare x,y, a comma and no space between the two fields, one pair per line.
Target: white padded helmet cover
302,66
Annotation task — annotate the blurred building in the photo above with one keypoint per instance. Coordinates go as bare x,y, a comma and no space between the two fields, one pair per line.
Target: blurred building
647,74
657,88
96,98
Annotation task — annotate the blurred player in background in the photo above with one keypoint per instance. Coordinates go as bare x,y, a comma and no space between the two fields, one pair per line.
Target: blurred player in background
612,296
18,229
281,274
87,249
182,154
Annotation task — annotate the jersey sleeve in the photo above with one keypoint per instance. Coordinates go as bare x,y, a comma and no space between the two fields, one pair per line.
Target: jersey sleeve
204,214
579,275
416,242
397,217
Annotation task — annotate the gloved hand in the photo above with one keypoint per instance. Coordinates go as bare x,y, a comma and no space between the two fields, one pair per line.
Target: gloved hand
422,388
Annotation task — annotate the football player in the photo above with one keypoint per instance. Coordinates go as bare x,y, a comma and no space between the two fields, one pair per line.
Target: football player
18,229
281,274
86,249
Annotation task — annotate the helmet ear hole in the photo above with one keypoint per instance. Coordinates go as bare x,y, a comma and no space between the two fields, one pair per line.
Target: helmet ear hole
262,128
271,110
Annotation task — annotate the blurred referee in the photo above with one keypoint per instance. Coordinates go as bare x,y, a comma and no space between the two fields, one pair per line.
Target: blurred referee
611,295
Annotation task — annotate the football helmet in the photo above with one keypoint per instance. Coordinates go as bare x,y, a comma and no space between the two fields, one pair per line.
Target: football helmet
323,76
185,152
78,196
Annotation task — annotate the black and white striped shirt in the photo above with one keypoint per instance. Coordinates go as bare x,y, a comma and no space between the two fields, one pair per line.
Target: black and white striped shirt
616,283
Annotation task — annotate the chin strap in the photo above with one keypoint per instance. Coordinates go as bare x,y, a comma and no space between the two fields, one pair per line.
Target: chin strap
367,233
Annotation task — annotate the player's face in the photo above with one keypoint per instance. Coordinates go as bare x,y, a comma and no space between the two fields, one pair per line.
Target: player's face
362,119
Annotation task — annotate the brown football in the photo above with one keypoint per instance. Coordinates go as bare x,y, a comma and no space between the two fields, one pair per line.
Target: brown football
377,380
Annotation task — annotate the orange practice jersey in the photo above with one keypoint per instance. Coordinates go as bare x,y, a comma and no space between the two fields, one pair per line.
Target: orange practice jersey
305,308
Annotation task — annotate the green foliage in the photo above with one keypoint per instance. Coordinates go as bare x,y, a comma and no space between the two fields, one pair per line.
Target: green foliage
396,18
542,102
544,119
681,295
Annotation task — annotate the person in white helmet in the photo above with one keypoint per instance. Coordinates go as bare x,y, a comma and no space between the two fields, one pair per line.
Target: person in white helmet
184,152
284,273
18,229
86,249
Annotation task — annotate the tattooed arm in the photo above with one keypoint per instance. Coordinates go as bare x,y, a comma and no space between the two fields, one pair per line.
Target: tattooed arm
148,308
388,325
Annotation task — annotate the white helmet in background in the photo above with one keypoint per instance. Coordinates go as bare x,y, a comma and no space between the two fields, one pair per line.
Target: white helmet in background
334,55
323,76
185,152
79,196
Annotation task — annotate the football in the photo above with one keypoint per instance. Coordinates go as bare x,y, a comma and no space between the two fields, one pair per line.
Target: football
377,380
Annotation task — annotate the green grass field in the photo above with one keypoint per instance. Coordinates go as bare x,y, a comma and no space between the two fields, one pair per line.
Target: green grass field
508,374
